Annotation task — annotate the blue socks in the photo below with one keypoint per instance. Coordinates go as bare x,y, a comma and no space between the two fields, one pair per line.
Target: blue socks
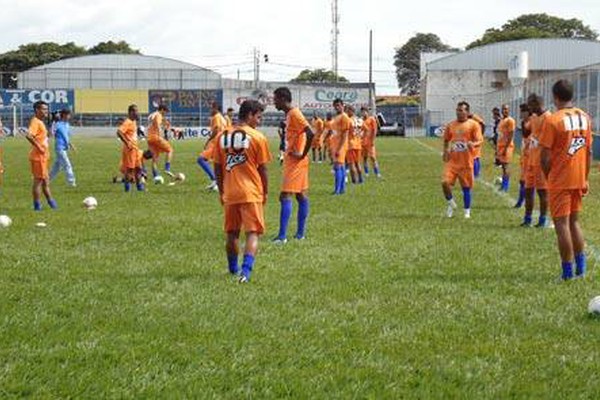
52,204
303,211
505,183
580,264
528,220
366,168
449,198
154,172
37,206
206,168
542,220
127,185
232,262
168,166
567,270
467,198
140,186
284,217
339,175
521,199
477,167
247,265
376,169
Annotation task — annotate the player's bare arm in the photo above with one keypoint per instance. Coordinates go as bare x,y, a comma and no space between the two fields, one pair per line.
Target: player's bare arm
264,178
219,175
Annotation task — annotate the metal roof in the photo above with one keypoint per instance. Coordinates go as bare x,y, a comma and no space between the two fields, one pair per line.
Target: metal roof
120,61
544,55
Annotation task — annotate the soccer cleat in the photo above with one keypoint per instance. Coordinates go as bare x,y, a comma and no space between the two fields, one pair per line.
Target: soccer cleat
379,176
170,174
298,237
543,225
243,279
467,214
449,211
279,241
212,187
526,224
518,205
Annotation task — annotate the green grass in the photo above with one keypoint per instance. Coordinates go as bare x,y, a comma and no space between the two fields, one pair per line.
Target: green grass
386,299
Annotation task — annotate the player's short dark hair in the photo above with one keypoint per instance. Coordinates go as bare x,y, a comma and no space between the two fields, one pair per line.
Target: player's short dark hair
283,93
524,107
38,104
365,109
535,98
163,107
496,109
464,104
338,101
147,155
131,107
250,107
230,109
350,108
563,90
329,115
64,112
216,106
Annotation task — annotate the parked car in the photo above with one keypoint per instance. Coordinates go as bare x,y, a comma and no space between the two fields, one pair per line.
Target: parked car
387,128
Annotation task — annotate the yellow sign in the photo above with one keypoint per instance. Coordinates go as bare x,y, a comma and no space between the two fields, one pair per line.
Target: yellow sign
93,101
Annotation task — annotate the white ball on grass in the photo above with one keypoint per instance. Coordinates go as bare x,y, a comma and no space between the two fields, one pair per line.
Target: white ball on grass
594,306
5,221
180,177
90,203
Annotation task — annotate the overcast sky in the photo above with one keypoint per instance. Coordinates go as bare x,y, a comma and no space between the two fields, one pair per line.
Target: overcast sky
217,34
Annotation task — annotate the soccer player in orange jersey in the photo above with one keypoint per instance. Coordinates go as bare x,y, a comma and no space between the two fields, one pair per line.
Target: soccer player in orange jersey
229,118
535,179
461,137
39,156
241,157
353,156
477,150
341,126
369,152
506,145
524,115
566,141
127,132
327,132
298,138
318,125
156,143
217,126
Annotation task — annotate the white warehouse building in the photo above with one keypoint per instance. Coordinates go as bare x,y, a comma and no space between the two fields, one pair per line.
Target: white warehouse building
474,75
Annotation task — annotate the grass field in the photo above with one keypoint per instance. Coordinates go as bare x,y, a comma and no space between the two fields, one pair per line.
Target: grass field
386,299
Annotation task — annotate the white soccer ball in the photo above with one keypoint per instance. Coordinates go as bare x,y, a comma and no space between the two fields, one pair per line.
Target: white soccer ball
498,180
159,180
5,221
90,203
180,177
594,306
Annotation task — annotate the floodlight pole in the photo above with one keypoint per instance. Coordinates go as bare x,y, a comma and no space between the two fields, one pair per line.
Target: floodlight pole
371,69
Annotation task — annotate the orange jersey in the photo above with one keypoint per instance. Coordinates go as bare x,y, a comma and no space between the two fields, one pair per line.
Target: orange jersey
240,153
354,137
535,150
481,122
39,133
369,131
568,135
228,122
341,124
129,131
295,137
156,124
526,145
506,128
217,123
458,134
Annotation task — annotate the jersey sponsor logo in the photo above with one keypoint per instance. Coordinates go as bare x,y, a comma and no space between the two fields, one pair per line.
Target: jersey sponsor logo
235,144
459,147
577,143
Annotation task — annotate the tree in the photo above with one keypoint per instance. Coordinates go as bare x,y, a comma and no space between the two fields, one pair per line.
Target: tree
407,60
318,75
111,47
534,26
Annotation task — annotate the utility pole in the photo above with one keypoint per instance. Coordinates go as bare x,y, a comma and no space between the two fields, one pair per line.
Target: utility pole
335,19
371,69
256,67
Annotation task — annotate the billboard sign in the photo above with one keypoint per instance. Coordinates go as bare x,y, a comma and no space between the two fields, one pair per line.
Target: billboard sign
185,101
56,98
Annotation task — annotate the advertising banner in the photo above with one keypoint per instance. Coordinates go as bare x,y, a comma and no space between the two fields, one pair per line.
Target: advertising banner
56,98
